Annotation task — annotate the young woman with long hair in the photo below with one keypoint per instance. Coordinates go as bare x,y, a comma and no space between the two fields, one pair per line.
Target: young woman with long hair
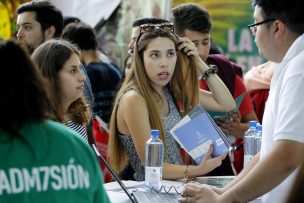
164,70
59,62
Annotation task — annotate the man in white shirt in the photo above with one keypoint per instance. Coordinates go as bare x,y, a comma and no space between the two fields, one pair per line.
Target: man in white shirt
278,30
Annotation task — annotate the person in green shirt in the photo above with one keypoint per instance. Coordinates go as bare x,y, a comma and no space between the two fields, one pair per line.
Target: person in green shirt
40,160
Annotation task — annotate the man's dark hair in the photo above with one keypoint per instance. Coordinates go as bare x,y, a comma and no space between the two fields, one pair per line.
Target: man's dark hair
46,14
288,11
152,20
191,17
80,34
70,19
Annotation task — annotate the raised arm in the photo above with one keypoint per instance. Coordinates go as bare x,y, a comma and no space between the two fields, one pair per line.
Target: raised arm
219,97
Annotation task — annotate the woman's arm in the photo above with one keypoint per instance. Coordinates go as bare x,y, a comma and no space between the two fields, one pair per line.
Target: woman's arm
133,119
135,115
219,97
172,171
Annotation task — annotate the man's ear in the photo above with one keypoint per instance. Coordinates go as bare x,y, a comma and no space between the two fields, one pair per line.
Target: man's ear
279,29
49,33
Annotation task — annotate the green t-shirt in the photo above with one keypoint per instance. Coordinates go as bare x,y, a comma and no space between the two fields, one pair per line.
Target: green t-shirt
48,163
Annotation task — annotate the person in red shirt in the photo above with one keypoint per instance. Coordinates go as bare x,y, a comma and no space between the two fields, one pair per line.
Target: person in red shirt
194,22
257,81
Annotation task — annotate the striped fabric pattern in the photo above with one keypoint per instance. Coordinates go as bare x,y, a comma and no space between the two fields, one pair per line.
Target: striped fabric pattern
80,129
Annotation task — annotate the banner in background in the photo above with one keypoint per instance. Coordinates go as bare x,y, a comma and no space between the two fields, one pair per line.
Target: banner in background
230,19
8,17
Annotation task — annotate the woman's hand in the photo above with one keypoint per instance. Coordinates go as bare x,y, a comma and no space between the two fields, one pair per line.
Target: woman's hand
189,48
208,163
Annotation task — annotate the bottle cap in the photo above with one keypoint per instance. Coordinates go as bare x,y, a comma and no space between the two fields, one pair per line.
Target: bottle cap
259,127
252,124
154,133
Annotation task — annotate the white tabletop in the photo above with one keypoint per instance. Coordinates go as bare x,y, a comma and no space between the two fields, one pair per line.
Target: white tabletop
117,195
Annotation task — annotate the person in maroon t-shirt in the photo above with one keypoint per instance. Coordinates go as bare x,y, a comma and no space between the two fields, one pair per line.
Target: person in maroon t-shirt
194,22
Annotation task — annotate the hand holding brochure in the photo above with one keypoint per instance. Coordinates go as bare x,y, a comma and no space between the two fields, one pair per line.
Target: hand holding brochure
238,102
197,131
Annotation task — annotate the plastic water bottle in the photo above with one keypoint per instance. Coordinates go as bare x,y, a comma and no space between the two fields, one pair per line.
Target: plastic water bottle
258,138
154,161
249,144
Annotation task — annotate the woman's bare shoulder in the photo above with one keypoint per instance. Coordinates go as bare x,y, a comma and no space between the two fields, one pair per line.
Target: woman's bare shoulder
132,99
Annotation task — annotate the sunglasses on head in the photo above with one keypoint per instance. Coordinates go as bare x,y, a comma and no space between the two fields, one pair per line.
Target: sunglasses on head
152,27
168,27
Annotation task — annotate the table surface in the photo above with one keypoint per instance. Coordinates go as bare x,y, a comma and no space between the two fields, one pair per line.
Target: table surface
117,195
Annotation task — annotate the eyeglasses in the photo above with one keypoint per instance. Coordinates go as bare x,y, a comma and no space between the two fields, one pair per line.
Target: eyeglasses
253,27
152,27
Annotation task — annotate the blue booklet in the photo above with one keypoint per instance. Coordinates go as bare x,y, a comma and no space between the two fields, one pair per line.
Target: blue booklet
197,131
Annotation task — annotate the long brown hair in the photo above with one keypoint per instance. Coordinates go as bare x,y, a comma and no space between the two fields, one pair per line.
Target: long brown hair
24,92
183,86
50,58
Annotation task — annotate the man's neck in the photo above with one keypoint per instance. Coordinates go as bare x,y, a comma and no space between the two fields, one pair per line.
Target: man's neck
286,44
89,56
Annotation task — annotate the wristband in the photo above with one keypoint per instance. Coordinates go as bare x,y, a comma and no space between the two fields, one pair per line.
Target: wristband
211,70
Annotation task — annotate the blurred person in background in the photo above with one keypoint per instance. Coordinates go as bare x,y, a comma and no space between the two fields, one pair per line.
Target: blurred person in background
257,81
37,22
